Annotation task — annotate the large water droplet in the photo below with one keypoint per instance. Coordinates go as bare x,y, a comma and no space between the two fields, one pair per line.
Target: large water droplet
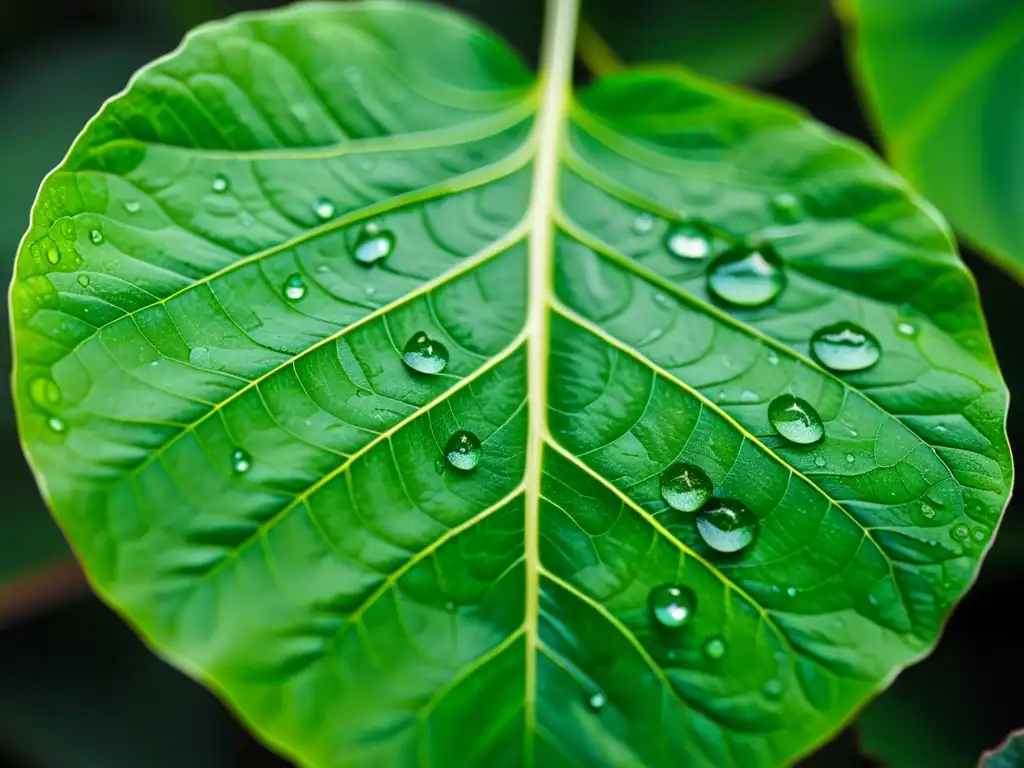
463,450
95,237
323,208
686,487
727,525
747,277
845,347
796,420
714,648
241,462
373,244
220,183
44,392
294,287
643,223
424,355
672,606
688,240
597,701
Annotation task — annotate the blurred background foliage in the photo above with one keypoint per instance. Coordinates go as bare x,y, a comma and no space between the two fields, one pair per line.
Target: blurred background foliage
78,689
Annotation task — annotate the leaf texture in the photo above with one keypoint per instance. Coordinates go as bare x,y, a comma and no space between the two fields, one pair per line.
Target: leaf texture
257,481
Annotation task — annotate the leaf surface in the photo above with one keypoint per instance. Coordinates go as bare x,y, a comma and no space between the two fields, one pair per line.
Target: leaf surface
946,81
1009,754
253,475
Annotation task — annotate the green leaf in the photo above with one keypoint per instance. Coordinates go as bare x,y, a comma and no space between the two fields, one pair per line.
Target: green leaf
739,40
1009,754
946,81
223,421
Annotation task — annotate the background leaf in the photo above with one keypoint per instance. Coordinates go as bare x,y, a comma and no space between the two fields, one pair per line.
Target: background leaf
1009,754
739,40
946,82
267,504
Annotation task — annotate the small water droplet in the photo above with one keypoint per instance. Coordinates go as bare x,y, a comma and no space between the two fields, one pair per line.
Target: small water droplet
56,424
791,591
980,534
772,689
688,240
796,420
850,458
643,223
906,329
241,462
424,355
247,220
463,450
355,76
597,701
132,206
714,648
53,255
960,532
786,207
449,606
95,236
745,277
220,183
660,298
845,347
294,287
44,392
199,357
373,244
83,280
439,466
671,605
726,525
366,164
927,511
748,396
686,487
773,359
323,208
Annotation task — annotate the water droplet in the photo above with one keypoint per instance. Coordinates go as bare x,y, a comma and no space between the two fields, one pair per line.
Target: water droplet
439,466
597,701
56,424
747,277
449,606
132,207
660,298
643,223
960,532
672,606
845,347
772,689
241,461
323,208
95,237
294,287
83,280
773,359
247,220
786,207
791,591
906,329
850,458
199,357
927,511
220,183
424,355
980,534
688,240
714,648
748,396
53,255
354,76
686,487
796,420
373,244
727,525
44,392
463,450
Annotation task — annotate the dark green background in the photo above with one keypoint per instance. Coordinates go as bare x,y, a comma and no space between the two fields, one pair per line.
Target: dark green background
77,690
